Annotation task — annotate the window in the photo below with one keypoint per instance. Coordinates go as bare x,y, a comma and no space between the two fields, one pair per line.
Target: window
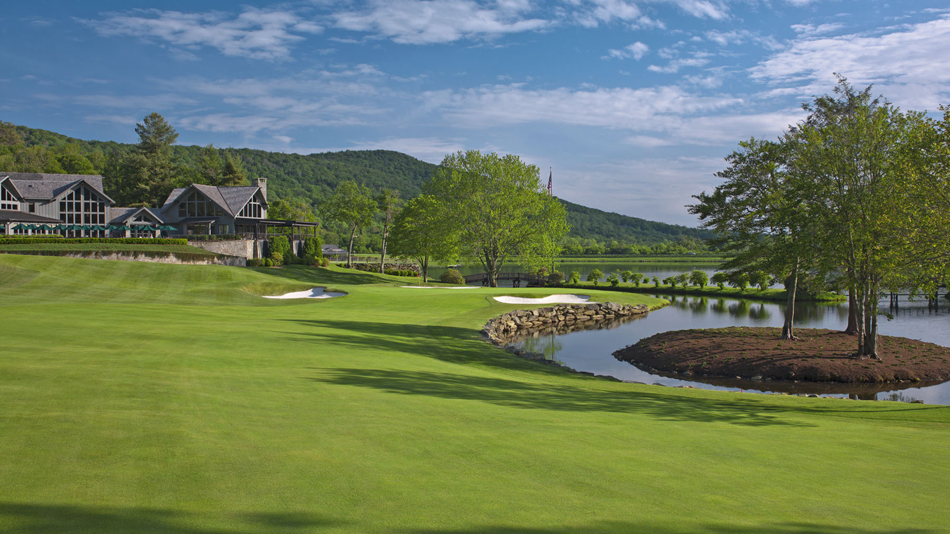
83,206
31,207
197,205
8,201
252,210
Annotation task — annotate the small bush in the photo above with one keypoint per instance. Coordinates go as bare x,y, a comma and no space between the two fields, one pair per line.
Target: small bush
254,263
595,276
313,246
556,278
266,262
613,279
627,275
279,245
720,279
575,278
324,262
452,276
699,278
276,258
637,278
309,259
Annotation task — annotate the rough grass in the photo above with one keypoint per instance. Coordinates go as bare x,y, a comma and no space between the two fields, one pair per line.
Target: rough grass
165,398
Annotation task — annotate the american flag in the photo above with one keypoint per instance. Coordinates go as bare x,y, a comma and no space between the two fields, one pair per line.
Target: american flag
550,181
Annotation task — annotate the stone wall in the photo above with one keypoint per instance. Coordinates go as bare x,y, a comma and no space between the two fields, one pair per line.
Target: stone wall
511,326
231,261
246,248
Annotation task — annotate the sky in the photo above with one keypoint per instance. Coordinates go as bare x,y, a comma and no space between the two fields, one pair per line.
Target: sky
631,104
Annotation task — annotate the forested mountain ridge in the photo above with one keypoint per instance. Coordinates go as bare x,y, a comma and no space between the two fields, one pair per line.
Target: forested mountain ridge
313,177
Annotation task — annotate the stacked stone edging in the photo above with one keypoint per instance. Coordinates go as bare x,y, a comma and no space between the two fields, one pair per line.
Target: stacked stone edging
501,328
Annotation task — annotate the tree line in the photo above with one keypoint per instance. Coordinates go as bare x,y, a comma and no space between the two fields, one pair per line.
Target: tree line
486,207
855,196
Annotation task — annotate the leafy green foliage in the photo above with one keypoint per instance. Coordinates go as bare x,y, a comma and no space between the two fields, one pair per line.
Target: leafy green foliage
419,232
452,276
720,279
699,278
352,205
279,246
499,209
594,276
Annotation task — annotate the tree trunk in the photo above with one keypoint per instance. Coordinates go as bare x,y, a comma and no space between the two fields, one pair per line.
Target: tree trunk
382,256
852,328
791,289
349,251
871,343
425,270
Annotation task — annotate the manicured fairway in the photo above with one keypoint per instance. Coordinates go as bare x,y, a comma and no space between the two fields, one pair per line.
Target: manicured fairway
158,398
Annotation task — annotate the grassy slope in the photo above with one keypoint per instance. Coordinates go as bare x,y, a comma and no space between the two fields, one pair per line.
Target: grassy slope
162,398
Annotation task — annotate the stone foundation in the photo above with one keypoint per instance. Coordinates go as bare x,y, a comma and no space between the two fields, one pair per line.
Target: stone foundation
519,324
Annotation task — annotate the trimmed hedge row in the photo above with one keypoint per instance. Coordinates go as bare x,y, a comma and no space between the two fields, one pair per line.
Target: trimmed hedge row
19,240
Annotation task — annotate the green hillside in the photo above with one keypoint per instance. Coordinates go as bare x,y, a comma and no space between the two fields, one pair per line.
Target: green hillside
313,177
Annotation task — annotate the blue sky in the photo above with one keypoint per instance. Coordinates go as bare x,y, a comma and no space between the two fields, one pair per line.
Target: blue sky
634,103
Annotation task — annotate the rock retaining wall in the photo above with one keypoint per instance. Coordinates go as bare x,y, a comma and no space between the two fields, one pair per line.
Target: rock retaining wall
231,261
506,328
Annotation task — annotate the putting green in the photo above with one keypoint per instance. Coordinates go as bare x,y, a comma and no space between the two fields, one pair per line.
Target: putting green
142,397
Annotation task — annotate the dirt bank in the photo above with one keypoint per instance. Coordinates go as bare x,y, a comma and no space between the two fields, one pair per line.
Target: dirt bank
819,355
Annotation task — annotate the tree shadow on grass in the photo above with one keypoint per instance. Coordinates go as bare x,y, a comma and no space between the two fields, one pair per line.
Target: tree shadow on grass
314,275
635,528
524,395
64,518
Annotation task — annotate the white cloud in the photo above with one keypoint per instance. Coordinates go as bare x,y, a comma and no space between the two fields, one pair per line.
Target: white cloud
636,51
255,33
438,21
908,63
810,30
612,108
800,3
675,65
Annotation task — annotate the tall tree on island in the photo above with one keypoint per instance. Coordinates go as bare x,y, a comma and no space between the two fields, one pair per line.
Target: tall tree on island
388,201
353,205
759,216
499,208
419,232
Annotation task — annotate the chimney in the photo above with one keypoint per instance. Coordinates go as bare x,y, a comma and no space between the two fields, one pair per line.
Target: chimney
262,183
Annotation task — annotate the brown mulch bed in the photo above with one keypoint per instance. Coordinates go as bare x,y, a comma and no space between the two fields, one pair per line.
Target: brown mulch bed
818,355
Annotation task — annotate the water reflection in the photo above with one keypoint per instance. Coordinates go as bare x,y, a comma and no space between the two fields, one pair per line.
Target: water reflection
591,350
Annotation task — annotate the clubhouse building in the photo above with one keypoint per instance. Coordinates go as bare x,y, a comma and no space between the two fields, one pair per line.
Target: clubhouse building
74,205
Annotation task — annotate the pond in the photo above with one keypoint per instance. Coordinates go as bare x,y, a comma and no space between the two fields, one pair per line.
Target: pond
591,350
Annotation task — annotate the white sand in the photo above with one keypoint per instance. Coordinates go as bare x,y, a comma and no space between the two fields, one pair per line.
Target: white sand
440,287
550,299
315,293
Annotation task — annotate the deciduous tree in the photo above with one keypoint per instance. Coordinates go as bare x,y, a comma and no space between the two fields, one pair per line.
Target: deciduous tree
500,210
353,205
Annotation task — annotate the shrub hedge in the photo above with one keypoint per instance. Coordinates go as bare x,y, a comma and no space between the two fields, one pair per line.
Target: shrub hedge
32,240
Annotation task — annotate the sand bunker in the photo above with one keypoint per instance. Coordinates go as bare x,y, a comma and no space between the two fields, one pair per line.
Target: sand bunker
550,299
315,293
440,287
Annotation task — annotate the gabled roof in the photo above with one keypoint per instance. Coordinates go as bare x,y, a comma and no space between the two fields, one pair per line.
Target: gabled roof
121,215
237,197
231,199
42,186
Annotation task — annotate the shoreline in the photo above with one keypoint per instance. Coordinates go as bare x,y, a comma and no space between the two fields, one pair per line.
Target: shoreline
819,356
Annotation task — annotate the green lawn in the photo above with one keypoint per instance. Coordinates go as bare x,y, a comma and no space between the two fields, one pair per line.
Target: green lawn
139,397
